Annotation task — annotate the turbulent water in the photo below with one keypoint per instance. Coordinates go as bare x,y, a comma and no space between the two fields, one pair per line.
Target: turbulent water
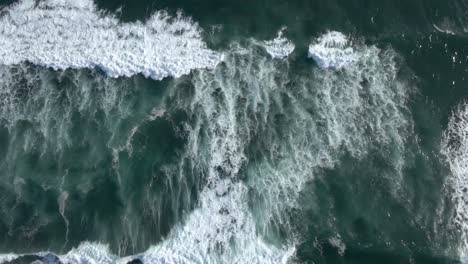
224,132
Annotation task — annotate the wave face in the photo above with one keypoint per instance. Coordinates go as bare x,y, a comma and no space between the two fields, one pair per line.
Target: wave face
74,34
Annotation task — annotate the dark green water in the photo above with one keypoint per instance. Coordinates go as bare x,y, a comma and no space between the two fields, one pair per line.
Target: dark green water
250,161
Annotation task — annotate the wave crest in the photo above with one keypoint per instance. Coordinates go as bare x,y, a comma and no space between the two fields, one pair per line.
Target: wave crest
64,34
333,50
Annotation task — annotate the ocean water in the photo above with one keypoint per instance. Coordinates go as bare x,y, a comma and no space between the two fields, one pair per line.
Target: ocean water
220,131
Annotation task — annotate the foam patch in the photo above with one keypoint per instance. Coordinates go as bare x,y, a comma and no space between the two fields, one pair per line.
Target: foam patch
333,50
64,34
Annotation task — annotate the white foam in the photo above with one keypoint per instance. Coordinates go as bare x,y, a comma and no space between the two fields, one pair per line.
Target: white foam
455,149
89,253
64,34
5,258
234,107
85,253
279,47
222,229
355,109
333,50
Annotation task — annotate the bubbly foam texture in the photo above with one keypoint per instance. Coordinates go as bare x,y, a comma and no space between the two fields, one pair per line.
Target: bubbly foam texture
222,229
24,89
64,34
455,149
333,50
256,137
89,253
319,130
5,258
279,47
238,105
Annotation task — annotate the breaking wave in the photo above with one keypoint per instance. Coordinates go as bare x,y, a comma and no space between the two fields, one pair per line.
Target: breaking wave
64,34
333,50
255,131
279,47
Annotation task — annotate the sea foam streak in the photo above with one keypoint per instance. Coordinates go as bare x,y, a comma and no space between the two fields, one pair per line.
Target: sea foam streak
455,149
64,34
224,229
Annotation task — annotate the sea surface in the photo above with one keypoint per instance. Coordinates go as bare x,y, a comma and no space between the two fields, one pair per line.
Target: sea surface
222,131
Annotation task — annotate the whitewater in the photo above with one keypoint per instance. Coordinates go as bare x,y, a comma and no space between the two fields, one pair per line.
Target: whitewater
454,147
63,34
237,101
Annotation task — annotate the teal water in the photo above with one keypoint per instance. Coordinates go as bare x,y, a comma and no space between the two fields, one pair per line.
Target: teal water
257,160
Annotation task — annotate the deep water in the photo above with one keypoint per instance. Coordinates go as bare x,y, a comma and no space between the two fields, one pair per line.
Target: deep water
255,160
